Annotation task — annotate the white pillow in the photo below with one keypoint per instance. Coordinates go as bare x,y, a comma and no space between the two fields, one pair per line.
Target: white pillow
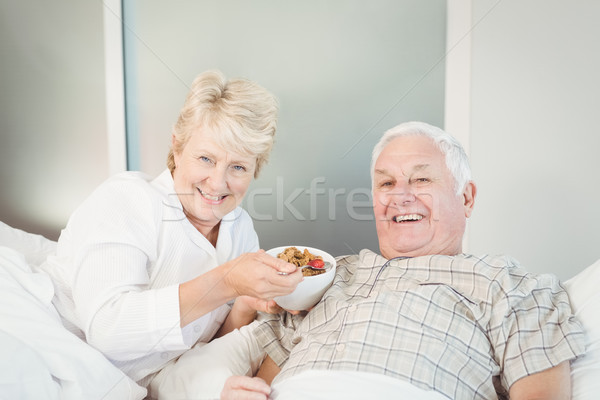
584,293
35,247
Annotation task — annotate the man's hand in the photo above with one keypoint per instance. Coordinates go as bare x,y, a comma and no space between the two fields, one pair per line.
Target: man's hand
245,388
268,306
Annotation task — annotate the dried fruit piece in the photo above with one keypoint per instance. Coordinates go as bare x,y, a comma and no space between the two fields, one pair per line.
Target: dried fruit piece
316,263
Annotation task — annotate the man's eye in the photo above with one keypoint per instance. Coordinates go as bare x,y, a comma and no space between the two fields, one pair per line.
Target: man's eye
239,168
386,184
205,159
422,180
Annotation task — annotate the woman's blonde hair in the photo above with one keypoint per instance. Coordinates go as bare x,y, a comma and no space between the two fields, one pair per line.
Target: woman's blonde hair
241,114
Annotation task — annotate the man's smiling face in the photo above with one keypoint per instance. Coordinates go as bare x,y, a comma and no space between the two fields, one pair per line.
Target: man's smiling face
417,210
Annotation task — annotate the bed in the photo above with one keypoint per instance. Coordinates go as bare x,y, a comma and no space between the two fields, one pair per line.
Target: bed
42,360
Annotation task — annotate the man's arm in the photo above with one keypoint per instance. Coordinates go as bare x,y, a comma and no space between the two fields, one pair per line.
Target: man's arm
551,384
268,370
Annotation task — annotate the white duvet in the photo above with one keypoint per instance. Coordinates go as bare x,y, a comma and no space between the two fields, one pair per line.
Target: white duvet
40,358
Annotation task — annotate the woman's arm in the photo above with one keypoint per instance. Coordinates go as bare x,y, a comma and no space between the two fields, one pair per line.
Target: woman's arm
252,274
268,370
113,309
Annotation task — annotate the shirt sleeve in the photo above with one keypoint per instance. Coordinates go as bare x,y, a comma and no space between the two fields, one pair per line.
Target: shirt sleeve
121,317
276,334
112,240
532,327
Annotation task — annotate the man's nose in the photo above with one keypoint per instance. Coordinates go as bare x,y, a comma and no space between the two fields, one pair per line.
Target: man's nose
403,194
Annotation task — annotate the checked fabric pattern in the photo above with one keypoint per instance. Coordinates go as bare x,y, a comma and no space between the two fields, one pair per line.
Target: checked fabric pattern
465,326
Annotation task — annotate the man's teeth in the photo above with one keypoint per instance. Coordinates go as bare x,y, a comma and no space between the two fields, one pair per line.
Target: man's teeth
407,217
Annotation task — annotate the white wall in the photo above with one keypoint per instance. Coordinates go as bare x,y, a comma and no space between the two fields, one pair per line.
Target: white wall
344,71
52,110
526,110
534,136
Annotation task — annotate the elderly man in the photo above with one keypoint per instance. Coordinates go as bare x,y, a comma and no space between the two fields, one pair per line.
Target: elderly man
423,312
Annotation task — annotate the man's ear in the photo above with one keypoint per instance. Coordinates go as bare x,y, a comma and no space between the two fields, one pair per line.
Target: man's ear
469,197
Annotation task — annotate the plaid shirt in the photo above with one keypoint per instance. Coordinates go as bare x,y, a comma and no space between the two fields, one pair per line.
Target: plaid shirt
465,326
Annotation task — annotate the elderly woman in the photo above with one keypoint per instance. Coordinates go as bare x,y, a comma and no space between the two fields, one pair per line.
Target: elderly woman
147,268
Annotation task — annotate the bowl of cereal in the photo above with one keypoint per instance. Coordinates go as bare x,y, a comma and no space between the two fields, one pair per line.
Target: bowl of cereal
315,283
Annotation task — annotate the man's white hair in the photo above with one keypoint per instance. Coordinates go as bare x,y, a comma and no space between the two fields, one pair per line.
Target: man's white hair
456,158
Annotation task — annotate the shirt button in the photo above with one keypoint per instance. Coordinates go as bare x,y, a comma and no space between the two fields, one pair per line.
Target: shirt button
340,347
297,340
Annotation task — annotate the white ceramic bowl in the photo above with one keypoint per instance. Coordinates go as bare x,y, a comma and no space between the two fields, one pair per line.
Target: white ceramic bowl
311,289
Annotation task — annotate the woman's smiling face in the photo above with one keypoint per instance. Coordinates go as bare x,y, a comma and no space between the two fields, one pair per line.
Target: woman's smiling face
417,211
209,180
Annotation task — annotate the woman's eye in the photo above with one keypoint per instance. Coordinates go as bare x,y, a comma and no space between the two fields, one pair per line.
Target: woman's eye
239,168
205,159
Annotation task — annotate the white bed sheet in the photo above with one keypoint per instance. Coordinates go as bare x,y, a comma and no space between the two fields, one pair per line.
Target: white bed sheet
345,385
40,358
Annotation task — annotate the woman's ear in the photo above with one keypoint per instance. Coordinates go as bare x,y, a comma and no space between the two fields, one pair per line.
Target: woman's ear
469,195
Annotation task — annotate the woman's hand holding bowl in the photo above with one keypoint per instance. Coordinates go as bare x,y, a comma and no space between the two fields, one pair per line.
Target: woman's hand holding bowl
260,275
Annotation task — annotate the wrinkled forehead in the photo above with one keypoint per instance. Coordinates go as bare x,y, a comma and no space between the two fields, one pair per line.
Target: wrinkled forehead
396,169
412,152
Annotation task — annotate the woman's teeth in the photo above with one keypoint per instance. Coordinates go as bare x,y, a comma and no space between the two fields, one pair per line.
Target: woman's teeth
209,197
407,217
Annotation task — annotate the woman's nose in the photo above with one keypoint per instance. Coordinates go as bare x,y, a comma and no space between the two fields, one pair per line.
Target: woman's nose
218,179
